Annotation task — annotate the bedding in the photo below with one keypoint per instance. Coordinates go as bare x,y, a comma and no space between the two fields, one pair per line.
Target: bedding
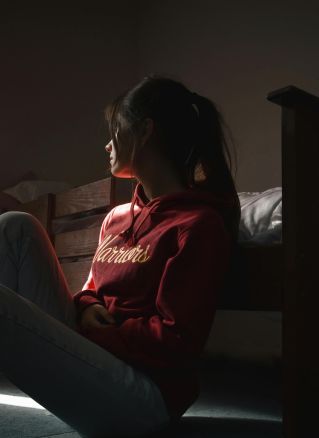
261,216
26,191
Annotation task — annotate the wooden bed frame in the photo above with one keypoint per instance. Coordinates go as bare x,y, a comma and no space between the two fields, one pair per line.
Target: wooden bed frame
279,277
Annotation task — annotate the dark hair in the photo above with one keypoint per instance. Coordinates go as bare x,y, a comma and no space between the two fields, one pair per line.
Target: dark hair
191,133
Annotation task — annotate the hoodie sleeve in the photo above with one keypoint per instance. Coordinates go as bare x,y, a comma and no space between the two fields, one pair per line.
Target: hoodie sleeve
88,296
185,303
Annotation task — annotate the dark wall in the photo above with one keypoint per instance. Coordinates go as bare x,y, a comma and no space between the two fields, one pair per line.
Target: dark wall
59,68
235,53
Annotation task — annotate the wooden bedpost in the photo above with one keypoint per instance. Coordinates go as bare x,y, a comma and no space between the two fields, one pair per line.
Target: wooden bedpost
300,328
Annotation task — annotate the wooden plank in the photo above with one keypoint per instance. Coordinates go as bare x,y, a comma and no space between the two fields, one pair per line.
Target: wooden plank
77,243
291,96
68,223
265,274
76,274
254,281
84,198
106,192
300,156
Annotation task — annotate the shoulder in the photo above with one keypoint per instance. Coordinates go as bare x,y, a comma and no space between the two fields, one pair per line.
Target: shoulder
202,220
117,212
205,226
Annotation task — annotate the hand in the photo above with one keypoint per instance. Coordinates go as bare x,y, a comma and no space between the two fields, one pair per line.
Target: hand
95,316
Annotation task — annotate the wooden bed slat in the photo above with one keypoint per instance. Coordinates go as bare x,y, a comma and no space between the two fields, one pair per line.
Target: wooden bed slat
291,96
265,273
61,225
254,281
300,157
98,194
77,243
83,198
76,274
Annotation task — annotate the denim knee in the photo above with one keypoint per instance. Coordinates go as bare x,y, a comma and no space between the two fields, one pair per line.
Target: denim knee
17,219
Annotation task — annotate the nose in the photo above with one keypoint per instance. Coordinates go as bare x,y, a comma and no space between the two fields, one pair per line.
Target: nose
108,147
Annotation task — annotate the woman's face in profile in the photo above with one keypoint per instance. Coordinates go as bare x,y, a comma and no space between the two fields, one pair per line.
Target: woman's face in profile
119,157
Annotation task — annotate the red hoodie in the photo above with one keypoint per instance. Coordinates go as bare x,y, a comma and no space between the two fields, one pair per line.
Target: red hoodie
158,269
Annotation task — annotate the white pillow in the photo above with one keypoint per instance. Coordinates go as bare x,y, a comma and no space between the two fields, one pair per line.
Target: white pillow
261,215
26,191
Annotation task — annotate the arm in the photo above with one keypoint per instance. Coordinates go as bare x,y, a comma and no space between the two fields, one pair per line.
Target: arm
88,296
185,302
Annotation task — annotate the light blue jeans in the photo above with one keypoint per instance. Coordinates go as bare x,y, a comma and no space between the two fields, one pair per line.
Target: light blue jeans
78,381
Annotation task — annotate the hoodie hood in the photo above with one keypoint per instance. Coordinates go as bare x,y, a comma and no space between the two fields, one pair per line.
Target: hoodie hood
164,202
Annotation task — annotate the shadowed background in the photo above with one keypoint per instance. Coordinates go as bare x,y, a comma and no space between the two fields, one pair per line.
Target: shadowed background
61,65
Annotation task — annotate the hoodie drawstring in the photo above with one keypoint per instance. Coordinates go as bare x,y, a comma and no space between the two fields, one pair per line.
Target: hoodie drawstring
129,234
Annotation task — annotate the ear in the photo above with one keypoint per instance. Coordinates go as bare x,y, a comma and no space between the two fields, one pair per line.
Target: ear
146,130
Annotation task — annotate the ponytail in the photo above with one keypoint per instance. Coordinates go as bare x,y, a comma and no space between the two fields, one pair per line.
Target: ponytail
210,167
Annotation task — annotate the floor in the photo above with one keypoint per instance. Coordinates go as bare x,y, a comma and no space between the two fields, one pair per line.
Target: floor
239,399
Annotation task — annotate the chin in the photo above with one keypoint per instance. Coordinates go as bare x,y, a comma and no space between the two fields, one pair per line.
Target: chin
119,174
